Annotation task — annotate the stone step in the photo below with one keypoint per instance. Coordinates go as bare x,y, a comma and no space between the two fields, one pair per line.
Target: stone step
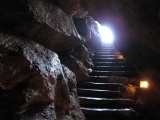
106,48
96,102
107,44
112,68
101,49
107,60
109,79
109,56
98,93
100,86
113,73
108,114
100,98
109,50
107,53
110,63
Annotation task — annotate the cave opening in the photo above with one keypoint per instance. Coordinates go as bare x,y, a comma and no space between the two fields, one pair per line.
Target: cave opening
106,34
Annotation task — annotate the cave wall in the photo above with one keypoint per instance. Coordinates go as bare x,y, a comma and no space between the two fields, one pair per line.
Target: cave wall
34,81
41,21
34,84
46,23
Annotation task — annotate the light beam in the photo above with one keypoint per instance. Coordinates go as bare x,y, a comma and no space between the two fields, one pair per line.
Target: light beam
105,34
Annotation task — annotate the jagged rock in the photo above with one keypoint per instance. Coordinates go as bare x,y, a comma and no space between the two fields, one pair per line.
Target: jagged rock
81,25
78,61
33,83
41,21
88,28
73,7
81,53
75,111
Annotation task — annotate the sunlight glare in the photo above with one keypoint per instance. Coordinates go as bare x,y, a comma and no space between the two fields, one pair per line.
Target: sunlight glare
105,34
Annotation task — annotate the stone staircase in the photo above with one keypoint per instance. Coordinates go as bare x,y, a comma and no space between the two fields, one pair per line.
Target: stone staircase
100,98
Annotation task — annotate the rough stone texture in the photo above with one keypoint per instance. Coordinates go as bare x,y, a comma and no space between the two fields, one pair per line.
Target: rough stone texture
78,61
33,83
74,109
73,7
41,21
87,27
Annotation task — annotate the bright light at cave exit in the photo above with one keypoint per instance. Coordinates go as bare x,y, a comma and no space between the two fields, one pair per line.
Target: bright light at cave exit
105,34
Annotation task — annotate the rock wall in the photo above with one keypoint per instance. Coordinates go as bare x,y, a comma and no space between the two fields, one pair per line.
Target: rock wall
34,85
40,21
44,22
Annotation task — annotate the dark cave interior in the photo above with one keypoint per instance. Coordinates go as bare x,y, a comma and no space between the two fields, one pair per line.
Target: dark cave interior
46,47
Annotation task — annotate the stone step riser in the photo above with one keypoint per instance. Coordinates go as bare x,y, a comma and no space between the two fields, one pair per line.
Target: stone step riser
100,94
108,56
109,64
113,73
106,49
100,97
100,86
107,60
108,114
112,103
104,79
109,106
112,68
107,53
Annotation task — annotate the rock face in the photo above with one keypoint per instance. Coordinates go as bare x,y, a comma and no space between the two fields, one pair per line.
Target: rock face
40,21
78,61
44,22
73,7
34,85
88,28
